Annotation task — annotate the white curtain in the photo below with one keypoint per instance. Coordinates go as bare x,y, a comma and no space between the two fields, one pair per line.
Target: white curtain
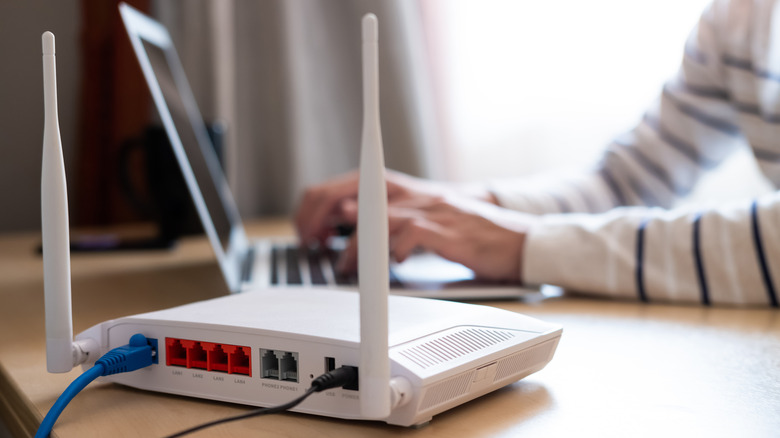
285,75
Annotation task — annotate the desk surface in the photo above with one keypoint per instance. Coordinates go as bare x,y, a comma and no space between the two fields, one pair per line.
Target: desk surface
621,369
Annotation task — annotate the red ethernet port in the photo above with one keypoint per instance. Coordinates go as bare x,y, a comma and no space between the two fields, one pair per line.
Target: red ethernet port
196,355
217,359
239,361
175,353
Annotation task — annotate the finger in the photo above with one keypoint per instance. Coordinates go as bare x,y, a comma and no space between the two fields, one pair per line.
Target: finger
347,263
349,210
431,204
348,260
414,202
320,203
312,219
311,202
442,214
396,185
409,233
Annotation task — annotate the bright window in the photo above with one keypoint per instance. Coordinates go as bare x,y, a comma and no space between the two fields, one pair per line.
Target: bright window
531,85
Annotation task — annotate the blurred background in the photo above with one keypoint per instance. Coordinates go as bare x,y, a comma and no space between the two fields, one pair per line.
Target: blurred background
471,90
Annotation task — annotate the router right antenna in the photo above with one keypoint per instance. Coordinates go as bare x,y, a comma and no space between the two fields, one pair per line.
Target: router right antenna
372,229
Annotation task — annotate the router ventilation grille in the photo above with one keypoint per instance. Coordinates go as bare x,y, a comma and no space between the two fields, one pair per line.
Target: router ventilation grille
512,365
446,390
515,366
454,345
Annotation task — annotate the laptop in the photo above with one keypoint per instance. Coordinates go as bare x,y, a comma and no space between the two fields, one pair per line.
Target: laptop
272,262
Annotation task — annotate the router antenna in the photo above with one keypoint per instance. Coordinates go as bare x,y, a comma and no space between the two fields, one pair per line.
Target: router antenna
373,250
62,354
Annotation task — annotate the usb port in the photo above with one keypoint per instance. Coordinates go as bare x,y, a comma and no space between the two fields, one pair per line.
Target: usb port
330,364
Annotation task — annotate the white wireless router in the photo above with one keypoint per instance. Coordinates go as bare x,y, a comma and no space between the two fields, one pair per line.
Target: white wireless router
415,357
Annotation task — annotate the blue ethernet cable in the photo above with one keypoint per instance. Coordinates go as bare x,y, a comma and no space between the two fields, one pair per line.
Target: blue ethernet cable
133,356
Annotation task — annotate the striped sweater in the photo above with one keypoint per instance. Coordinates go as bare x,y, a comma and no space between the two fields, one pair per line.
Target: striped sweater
611,231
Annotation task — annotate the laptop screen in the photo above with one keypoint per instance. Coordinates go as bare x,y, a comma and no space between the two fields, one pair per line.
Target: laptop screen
197,145
190,142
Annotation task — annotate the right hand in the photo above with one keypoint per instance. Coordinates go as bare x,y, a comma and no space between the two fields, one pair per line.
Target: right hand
485,238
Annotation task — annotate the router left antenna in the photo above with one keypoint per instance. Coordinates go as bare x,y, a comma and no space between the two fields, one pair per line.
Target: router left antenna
62,354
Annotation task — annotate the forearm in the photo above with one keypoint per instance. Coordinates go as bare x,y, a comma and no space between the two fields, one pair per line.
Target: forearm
728,255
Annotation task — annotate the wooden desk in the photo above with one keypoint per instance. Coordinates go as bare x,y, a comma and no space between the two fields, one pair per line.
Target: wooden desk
622,369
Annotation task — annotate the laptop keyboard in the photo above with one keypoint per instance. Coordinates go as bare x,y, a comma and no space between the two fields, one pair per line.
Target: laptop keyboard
293,268
291,263
295,265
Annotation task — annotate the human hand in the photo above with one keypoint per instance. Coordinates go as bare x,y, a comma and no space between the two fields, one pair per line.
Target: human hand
485,238
327,205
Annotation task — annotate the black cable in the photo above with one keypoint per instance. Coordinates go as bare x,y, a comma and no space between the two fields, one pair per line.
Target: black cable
252,413
334,379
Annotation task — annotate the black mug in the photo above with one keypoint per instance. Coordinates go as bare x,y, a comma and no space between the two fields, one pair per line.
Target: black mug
164,197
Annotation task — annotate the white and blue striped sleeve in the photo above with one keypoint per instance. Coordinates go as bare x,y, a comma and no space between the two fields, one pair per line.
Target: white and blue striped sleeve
724,96
726,255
